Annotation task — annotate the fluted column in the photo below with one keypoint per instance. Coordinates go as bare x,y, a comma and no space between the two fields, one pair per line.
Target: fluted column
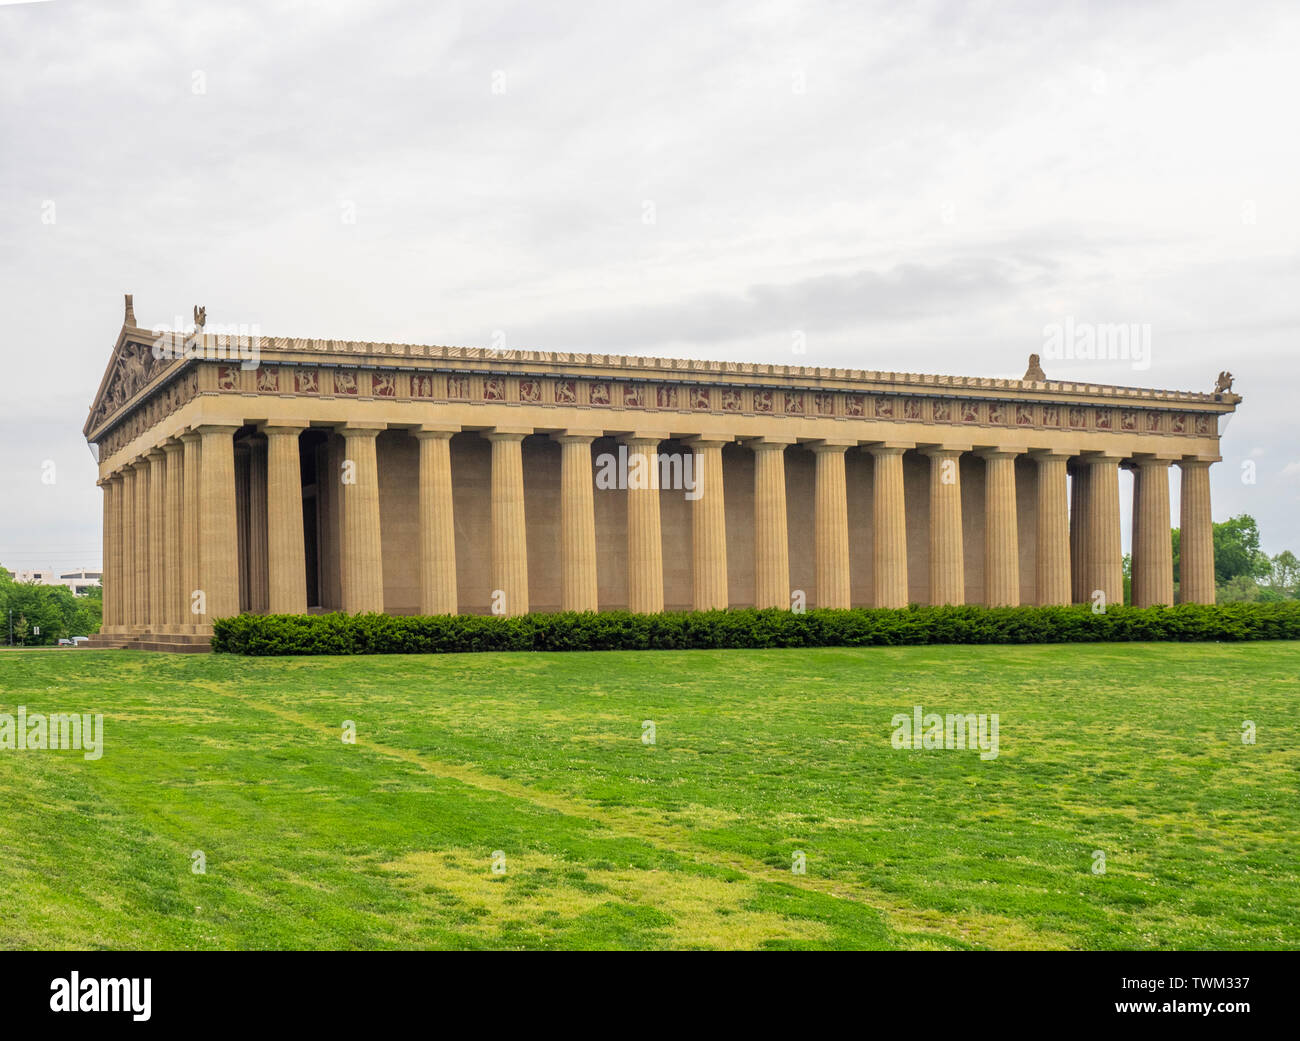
1196,538
286,565
107,581
259,593
142,532
947,553
114,602
1105,551
889,520
173,594
1001,530
363,560
219,565
577,523
709,529
157,539
1153,556
191,510
1052,579
127,568
438,593
771,535
645,560
509,523
1080,577
831,525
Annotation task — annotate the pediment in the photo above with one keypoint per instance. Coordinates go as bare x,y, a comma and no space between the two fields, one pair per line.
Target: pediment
132,370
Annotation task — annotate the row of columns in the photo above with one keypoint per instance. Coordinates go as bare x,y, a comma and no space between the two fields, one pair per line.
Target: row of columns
172,544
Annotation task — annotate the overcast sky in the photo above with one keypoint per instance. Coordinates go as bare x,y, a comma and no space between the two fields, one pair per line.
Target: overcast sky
920,187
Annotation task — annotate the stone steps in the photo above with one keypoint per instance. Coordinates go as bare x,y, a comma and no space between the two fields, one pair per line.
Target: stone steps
173,643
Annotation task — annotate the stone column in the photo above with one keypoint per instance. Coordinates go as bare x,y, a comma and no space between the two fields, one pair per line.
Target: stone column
107,581
509,524
645,559
1196,537
1153,555
286,542
129,479
259,594
1052,581
889,519
577,522
1105,554
947,555
191,511
362,548
709,528
157,539
173,594
438,593
1080,578
771,535
831,524
144,530
114,599
1001,530
219,564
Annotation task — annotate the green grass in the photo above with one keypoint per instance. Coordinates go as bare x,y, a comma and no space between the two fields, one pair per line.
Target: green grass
1134,750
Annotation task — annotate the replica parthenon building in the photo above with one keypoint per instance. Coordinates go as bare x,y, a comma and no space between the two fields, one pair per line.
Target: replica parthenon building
389,477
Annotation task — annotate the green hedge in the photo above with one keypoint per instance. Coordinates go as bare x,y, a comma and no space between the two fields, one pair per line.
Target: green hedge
678,630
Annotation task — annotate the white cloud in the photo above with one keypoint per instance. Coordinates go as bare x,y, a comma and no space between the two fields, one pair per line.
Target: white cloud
948,180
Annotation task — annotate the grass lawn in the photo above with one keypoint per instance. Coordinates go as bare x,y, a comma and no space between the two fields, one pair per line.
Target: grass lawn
1134,750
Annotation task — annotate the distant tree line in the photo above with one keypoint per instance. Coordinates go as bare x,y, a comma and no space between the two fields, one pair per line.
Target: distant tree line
1243,573
32,614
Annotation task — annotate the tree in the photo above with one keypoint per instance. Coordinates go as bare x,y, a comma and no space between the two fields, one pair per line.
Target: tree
54,610
1236,551
1284,574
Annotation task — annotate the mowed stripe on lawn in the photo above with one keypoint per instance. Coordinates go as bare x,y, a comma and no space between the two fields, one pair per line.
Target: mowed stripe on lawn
1134,750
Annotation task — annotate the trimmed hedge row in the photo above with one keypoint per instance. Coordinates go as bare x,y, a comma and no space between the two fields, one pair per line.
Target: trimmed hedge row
680,630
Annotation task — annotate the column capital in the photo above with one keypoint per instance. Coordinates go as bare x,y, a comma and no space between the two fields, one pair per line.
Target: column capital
830,445
172,445
1100,457
707,441
577,437
281,428
507,433
155,452
1152,459
644,438
434,433
999,453
888,448
1044,455
214,428
366,430
1190,461
944,450
770,445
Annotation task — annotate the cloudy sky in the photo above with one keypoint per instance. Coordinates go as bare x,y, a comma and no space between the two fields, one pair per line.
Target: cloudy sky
921,187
